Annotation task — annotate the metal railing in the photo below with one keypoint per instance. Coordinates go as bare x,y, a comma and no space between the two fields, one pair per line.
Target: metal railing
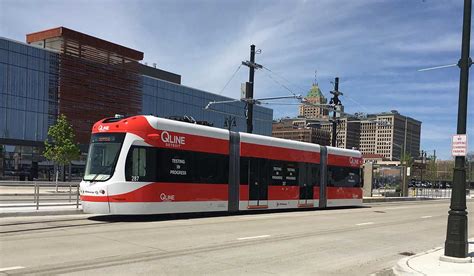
430,192
38,193
417,192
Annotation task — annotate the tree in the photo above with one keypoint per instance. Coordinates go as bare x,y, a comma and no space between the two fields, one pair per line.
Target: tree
62,148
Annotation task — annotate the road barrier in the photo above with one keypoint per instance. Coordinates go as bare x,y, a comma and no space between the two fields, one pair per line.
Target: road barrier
38,193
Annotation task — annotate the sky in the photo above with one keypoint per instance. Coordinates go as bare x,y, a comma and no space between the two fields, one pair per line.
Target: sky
374,47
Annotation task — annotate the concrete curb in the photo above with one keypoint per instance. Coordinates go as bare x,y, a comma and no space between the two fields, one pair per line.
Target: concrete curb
403,267
395,199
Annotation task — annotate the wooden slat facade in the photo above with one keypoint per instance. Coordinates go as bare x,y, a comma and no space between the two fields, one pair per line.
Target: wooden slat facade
94,84
97,78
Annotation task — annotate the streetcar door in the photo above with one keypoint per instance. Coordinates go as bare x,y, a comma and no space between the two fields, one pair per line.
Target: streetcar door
258,183
306,185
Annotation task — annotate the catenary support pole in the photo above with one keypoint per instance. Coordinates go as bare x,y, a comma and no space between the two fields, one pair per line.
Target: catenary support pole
249,92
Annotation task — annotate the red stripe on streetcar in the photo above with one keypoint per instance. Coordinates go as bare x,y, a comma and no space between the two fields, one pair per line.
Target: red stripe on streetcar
283,192
344,161
344,193
277,153
306,205
257,207
244,192
316,192
94,198
164,192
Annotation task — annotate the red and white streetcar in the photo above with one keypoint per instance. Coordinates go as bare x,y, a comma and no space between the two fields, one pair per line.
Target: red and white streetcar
150,165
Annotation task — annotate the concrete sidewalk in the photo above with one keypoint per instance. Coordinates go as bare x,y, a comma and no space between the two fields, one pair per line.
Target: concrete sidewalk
45,209
429,263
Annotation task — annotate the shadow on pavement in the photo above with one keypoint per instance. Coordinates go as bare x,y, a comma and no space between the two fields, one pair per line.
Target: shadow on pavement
165,217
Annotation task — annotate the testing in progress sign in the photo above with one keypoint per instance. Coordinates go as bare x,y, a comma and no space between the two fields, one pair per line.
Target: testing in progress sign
459,145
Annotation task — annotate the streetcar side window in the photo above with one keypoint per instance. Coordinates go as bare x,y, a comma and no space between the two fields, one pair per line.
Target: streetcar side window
277,173
315,174
284,173
140,164
343,177
291,174
177,166
244,170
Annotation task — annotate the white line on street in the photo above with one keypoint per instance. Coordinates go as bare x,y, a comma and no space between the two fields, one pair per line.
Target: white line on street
397,208
11,268
364,223
254,237
426,217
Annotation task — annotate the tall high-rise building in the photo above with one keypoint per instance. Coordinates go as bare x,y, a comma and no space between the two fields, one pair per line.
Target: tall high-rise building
299,131
311,109
390,134
347,132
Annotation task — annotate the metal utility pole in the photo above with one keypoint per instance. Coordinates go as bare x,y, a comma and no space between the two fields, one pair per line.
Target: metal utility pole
249,87
456,244
335,102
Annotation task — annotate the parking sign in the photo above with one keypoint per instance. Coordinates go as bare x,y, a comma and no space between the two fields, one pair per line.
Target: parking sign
459,145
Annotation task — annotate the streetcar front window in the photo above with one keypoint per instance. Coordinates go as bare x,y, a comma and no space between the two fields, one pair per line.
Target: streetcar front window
103,154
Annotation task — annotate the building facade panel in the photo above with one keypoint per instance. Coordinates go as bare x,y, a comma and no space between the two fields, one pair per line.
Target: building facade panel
27,80
166,99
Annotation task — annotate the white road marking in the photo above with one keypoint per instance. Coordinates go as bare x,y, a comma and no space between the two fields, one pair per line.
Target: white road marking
254,237
426,217
397,208
11,268
364,223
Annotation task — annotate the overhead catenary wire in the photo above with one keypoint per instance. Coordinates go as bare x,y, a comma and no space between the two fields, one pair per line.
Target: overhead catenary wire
283,78
235,115
276,81
231,78
357,103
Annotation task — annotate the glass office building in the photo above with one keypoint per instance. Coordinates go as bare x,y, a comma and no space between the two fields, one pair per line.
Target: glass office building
31,79
166,99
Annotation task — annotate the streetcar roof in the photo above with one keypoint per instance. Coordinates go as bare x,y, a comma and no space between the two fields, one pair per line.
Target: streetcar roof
278,142
189,128
219,133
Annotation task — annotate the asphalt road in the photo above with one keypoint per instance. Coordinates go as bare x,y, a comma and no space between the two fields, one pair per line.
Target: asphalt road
357,241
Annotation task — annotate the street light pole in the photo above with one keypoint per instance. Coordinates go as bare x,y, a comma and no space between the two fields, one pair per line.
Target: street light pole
456,244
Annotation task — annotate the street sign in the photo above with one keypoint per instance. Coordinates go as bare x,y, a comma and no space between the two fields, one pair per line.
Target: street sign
243,90
459,145
408,171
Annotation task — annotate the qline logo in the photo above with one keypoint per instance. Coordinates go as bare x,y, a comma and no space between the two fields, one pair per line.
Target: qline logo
172,140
